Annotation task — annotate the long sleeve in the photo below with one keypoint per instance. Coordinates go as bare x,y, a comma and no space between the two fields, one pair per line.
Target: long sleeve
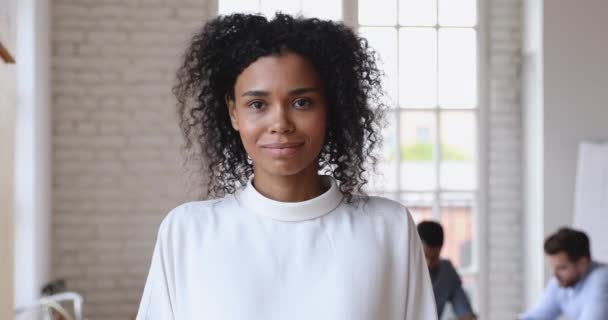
596,306
460,302
548,307
420,302
158,299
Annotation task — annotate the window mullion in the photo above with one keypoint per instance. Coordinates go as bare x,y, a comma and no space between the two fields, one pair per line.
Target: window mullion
437,164
438,155
350,15
398,112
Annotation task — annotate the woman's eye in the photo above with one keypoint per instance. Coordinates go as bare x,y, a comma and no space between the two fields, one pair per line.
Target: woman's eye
301,103
256,105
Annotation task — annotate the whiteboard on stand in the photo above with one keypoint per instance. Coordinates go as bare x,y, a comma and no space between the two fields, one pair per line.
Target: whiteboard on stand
591,197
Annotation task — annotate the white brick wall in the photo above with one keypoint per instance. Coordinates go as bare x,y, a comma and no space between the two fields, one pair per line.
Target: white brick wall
504,220
116,170
116,164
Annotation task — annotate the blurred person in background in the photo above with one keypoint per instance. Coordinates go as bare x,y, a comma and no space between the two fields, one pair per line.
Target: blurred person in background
579,286
447,284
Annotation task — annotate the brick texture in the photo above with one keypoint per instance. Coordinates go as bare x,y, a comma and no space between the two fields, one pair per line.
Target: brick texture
117,168
505,228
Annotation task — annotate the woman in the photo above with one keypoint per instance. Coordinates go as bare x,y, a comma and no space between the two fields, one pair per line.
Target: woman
270,104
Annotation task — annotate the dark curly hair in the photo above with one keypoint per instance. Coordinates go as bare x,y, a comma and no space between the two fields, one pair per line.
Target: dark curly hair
228,44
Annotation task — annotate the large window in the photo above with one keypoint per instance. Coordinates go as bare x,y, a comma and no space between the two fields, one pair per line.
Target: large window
429,162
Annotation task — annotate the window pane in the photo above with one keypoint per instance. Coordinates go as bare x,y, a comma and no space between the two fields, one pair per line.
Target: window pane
384,41
378,12
323,9
458,130
460,13
386,178
457,68
457,212
420,205
232,6
270,7
417,139
418,13
418,67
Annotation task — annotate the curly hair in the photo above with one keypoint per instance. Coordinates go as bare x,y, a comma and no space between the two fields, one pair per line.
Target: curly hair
226,45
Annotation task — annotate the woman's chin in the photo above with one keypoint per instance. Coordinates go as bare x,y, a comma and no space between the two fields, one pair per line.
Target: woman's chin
286,169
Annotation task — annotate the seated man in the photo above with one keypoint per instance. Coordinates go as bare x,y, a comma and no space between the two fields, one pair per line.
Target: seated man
446,281
579,288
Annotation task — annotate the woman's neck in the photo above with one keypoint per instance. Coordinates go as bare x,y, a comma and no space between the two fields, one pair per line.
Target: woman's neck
295,188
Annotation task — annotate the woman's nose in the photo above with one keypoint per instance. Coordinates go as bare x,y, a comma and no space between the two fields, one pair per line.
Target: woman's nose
281,121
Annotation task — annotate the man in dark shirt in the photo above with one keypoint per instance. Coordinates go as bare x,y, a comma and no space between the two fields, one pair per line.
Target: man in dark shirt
446,281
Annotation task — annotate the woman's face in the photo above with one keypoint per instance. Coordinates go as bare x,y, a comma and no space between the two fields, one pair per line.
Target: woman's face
279,110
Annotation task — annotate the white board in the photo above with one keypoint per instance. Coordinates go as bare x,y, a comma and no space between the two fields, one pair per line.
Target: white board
591,197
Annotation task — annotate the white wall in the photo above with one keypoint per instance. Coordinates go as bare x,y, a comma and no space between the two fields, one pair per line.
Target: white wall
564,103
575,101
504,141
7,116
116,161
32,151
7,141
532,102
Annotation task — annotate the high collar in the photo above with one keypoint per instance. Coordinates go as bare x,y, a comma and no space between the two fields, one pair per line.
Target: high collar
250,198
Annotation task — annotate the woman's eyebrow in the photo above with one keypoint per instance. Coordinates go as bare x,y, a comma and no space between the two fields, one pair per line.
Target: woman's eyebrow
293,92
299,91
256,93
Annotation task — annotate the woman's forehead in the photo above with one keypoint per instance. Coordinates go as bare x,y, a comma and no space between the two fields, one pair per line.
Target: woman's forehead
287,71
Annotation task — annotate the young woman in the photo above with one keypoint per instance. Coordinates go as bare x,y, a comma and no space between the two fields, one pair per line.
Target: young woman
285,113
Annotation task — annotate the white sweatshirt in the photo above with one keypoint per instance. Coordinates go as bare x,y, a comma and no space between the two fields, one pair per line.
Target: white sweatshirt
247,257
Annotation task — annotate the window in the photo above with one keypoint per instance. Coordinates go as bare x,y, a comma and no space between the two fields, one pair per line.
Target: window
428,51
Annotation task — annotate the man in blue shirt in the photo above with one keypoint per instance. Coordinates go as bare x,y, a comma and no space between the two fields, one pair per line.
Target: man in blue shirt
579,288
446,281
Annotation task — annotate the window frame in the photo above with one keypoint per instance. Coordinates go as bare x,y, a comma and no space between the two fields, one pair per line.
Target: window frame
480,215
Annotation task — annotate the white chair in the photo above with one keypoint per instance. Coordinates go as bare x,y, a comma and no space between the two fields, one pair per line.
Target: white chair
43,308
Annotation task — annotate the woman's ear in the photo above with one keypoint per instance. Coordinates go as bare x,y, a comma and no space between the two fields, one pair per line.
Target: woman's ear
232,112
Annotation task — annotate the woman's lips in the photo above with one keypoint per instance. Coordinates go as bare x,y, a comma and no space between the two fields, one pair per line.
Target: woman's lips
282,149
